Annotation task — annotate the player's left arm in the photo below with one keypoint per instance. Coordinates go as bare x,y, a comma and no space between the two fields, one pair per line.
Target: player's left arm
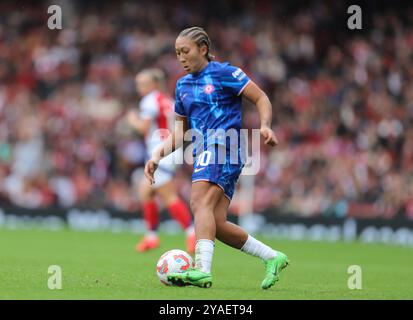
258,97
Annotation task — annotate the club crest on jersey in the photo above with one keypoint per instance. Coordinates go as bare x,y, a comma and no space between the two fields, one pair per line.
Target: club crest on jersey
209,88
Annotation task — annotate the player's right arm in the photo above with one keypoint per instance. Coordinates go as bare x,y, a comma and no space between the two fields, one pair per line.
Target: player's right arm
170,144
139,123
148,111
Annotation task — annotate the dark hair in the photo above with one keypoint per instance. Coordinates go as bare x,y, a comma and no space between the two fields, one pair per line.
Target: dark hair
200,37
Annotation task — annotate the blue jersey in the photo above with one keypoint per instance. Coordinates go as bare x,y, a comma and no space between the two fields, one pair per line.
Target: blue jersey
211,100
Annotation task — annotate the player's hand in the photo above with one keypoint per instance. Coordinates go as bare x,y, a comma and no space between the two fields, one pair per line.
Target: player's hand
269,136
150,169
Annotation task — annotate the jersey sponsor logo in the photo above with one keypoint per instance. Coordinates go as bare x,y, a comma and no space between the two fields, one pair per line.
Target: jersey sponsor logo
242,76
238,74
209,88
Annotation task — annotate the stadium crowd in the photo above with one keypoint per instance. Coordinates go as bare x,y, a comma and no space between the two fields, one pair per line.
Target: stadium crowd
343,102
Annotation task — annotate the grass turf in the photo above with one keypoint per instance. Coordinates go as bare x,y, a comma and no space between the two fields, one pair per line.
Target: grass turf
103,265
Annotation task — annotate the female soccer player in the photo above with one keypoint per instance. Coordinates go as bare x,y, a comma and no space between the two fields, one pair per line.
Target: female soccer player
209,97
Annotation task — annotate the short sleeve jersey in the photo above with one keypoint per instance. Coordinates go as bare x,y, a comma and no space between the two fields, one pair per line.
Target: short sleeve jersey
211,99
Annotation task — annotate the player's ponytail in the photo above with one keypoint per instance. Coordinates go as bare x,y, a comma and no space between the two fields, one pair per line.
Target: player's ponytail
200,37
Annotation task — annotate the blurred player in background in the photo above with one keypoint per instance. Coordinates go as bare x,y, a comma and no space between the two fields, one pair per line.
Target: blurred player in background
153,123
209,97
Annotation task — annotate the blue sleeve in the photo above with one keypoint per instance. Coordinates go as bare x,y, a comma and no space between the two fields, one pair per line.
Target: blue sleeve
234,79
179,107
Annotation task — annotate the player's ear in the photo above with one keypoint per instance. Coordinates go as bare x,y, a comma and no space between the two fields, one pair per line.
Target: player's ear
203,49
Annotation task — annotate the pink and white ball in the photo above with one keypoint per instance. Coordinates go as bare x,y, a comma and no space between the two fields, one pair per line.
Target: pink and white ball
173,261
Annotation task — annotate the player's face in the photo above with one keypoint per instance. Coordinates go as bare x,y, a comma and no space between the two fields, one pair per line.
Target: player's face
190,55
144,84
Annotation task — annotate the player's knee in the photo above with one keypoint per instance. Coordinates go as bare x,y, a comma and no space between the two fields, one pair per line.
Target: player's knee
198,205
168,198
203,199
194,205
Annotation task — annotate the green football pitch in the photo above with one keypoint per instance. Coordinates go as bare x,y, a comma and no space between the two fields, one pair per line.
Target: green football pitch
103,265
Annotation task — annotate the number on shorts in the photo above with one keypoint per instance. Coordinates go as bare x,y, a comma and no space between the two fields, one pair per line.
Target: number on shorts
204,158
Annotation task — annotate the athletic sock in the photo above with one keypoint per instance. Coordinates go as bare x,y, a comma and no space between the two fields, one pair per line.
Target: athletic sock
204,250
151,215
151,235
258,249
180,212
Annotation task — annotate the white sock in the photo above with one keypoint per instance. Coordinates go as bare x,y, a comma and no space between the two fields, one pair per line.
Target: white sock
151,234
189,230
256,248
204,250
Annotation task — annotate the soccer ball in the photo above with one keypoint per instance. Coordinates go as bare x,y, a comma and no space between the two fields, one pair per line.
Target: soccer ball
173,261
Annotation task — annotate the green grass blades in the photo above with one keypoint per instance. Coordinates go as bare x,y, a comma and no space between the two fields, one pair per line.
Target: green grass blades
105,266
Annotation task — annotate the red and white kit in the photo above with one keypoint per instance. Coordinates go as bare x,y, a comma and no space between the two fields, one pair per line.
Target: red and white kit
160,110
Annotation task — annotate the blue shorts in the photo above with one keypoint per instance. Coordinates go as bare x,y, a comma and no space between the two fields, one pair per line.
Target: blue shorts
208,168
